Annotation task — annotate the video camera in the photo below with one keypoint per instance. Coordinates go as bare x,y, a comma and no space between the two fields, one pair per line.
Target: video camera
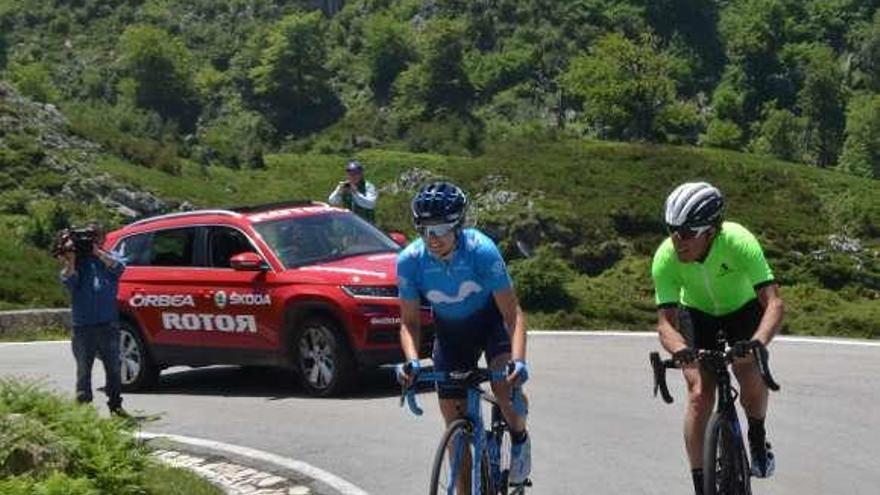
79,241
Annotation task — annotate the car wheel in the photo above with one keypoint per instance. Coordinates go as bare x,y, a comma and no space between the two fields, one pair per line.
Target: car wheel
324,362
137,367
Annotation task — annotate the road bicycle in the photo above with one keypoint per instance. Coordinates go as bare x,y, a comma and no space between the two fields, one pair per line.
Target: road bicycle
726,468
471,459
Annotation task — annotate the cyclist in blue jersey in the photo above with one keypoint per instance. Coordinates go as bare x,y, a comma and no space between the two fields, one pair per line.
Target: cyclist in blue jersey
460,273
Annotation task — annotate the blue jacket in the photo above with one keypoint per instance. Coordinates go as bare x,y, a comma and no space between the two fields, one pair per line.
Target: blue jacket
93,290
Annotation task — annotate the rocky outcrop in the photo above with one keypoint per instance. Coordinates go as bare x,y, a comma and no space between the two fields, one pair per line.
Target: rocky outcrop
72,157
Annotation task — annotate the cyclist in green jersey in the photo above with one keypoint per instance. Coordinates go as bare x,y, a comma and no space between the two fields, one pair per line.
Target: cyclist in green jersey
711,275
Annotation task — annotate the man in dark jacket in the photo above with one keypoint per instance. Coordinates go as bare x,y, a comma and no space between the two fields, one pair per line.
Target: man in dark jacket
92,278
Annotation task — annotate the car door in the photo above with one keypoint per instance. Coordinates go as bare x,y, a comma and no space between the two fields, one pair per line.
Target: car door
160,292
246,328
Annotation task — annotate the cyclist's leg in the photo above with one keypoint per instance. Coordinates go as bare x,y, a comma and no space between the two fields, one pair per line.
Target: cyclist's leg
754,395
698,329
497,345
741,325
502,391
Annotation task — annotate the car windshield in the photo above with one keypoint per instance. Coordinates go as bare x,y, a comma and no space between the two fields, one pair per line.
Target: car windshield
299,241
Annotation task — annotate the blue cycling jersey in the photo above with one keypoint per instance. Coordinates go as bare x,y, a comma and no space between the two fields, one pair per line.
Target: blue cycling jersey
460,287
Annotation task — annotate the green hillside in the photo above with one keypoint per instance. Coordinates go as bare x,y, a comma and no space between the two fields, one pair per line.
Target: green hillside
596,206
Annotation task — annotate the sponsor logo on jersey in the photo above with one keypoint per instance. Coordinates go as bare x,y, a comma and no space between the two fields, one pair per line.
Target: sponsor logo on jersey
197,322
161,301
466,288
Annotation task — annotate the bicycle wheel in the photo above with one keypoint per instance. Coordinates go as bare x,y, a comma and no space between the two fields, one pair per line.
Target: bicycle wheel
451,473
724,464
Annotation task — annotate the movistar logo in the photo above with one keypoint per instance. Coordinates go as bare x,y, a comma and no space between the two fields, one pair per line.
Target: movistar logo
466,288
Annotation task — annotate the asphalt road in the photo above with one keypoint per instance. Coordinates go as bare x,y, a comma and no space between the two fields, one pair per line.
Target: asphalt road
595,427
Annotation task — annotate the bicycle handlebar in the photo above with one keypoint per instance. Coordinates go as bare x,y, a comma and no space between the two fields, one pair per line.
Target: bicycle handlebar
467,378
659,366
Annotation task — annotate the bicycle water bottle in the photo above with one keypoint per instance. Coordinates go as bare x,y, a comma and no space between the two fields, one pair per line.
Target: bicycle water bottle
493,451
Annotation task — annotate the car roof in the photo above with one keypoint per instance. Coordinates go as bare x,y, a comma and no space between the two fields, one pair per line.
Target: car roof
250,213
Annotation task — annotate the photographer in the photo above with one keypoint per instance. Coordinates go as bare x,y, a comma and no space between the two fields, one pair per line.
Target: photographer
91,275
356,193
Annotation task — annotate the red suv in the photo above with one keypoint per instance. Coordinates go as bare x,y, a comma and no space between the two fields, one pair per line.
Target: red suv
299,285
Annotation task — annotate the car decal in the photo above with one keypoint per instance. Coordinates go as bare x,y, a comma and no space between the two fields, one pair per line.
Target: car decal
209,322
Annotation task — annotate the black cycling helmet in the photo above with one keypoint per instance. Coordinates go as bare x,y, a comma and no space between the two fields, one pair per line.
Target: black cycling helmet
694,204
439,202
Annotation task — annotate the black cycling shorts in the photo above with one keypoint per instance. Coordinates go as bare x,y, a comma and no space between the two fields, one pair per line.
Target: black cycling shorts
701,329
459,345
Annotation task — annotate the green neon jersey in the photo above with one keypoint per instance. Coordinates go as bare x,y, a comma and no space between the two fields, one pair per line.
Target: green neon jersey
722,283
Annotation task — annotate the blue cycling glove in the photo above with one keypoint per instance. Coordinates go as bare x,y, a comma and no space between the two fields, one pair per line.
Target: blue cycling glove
520,369
408,369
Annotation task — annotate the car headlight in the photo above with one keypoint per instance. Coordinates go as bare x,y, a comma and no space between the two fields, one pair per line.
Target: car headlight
387,291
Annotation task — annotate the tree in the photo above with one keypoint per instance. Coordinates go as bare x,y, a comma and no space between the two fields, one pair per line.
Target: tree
437,83
695,22
782,134
753,33
387,53
161,68
290,79
821,103
625,86
866,58
861,149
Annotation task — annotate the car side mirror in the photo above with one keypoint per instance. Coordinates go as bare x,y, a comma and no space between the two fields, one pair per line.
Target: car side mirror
398,238
248,262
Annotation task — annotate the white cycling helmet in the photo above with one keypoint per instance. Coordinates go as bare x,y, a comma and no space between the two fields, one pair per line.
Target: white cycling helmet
694,204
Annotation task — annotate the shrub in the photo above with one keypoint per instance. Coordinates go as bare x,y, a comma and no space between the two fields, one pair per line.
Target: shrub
540,281
100,456
34,81
722,134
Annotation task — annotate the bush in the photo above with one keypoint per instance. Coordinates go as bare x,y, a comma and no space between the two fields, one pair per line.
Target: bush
100,456
722,134
449,135
540,281
46,218
34,81
235,141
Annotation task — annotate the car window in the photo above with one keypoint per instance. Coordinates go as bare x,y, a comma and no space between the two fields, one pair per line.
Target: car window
299,241
224,243
173,247
135,249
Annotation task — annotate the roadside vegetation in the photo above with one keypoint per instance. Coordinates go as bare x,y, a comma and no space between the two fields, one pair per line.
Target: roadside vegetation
29,334
53,446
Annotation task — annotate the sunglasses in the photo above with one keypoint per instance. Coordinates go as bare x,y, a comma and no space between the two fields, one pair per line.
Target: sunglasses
436,230
687,233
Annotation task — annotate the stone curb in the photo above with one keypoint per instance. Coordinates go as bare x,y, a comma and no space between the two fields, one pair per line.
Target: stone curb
233,479
244,471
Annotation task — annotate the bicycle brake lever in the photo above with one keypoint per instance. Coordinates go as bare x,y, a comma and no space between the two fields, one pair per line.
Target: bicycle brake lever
413,403
660,378
762,357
